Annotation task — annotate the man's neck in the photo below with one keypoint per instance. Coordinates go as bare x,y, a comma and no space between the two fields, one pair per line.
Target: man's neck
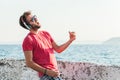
34,31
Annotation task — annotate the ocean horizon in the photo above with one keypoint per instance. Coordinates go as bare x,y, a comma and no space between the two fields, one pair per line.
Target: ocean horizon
91,53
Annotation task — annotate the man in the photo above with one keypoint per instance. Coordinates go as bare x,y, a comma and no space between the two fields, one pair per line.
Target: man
39,46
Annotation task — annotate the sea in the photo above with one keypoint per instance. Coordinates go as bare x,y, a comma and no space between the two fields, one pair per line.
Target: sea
90,53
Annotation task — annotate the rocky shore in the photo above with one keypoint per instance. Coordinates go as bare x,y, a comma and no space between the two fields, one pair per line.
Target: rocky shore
17,70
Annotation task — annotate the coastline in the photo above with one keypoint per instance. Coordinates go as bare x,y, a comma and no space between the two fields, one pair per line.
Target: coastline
11,69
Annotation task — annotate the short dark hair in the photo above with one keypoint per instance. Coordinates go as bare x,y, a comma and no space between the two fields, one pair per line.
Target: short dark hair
23,20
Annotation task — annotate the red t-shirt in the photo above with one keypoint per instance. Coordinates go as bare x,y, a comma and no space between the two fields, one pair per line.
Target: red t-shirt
40,45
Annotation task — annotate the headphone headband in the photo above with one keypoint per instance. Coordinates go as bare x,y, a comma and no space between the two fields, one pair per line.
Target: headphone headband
27,26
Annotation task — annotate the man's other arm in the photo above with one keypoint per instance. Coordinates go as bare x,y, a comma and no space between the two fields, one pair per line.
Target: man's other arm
30,63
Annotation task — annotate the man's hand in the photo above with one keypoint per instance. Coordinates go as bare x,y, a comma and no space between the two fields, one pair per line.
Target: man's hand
52,73
72,36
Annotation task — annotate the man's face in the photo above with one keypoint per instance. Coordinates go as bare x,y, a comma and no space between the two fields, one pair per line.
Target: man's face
33,21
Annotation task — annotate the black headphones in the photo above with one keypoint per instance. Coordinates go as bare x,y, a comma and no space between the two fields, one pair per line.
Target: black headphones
26,24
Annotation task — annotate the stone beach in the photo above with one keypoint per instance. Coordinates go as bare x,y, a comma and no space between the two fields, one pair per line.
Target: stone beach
17,70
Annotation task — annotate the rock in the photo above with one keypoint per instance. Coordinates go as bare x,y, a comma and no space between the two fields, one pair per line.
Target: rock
17,70
113,41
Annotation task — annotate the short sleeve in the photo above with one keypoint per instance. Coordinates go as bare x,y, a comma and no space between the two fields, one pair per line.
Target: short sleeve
27,44
51,39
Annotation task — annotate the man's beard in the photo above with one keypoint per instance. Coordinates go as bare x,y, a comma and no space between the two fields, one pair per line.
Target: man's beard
36,27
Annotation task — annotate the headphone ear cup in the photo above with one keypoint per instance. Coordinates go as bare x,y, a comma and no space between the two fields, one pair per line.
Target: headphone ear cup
27,25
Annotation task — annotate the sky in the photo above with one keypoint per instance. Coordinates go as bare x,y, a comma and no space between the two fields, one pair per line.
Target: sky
92,20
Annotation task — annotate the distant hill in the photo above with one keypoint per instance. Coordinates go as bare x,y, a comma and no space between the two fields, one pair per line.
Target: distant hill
113,41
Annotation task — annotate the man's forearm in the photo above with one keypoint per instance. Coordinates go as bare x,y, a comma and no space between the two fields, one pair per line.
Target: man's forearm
35,66
63,46
39,68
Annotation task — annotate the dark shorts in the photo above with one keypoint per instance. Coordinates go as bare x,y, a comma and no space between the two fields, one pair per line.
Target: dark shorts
46,77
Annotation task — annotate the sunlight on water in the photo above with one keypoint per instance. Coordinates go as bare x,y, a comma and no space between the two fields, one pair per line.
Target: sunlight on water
100,54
